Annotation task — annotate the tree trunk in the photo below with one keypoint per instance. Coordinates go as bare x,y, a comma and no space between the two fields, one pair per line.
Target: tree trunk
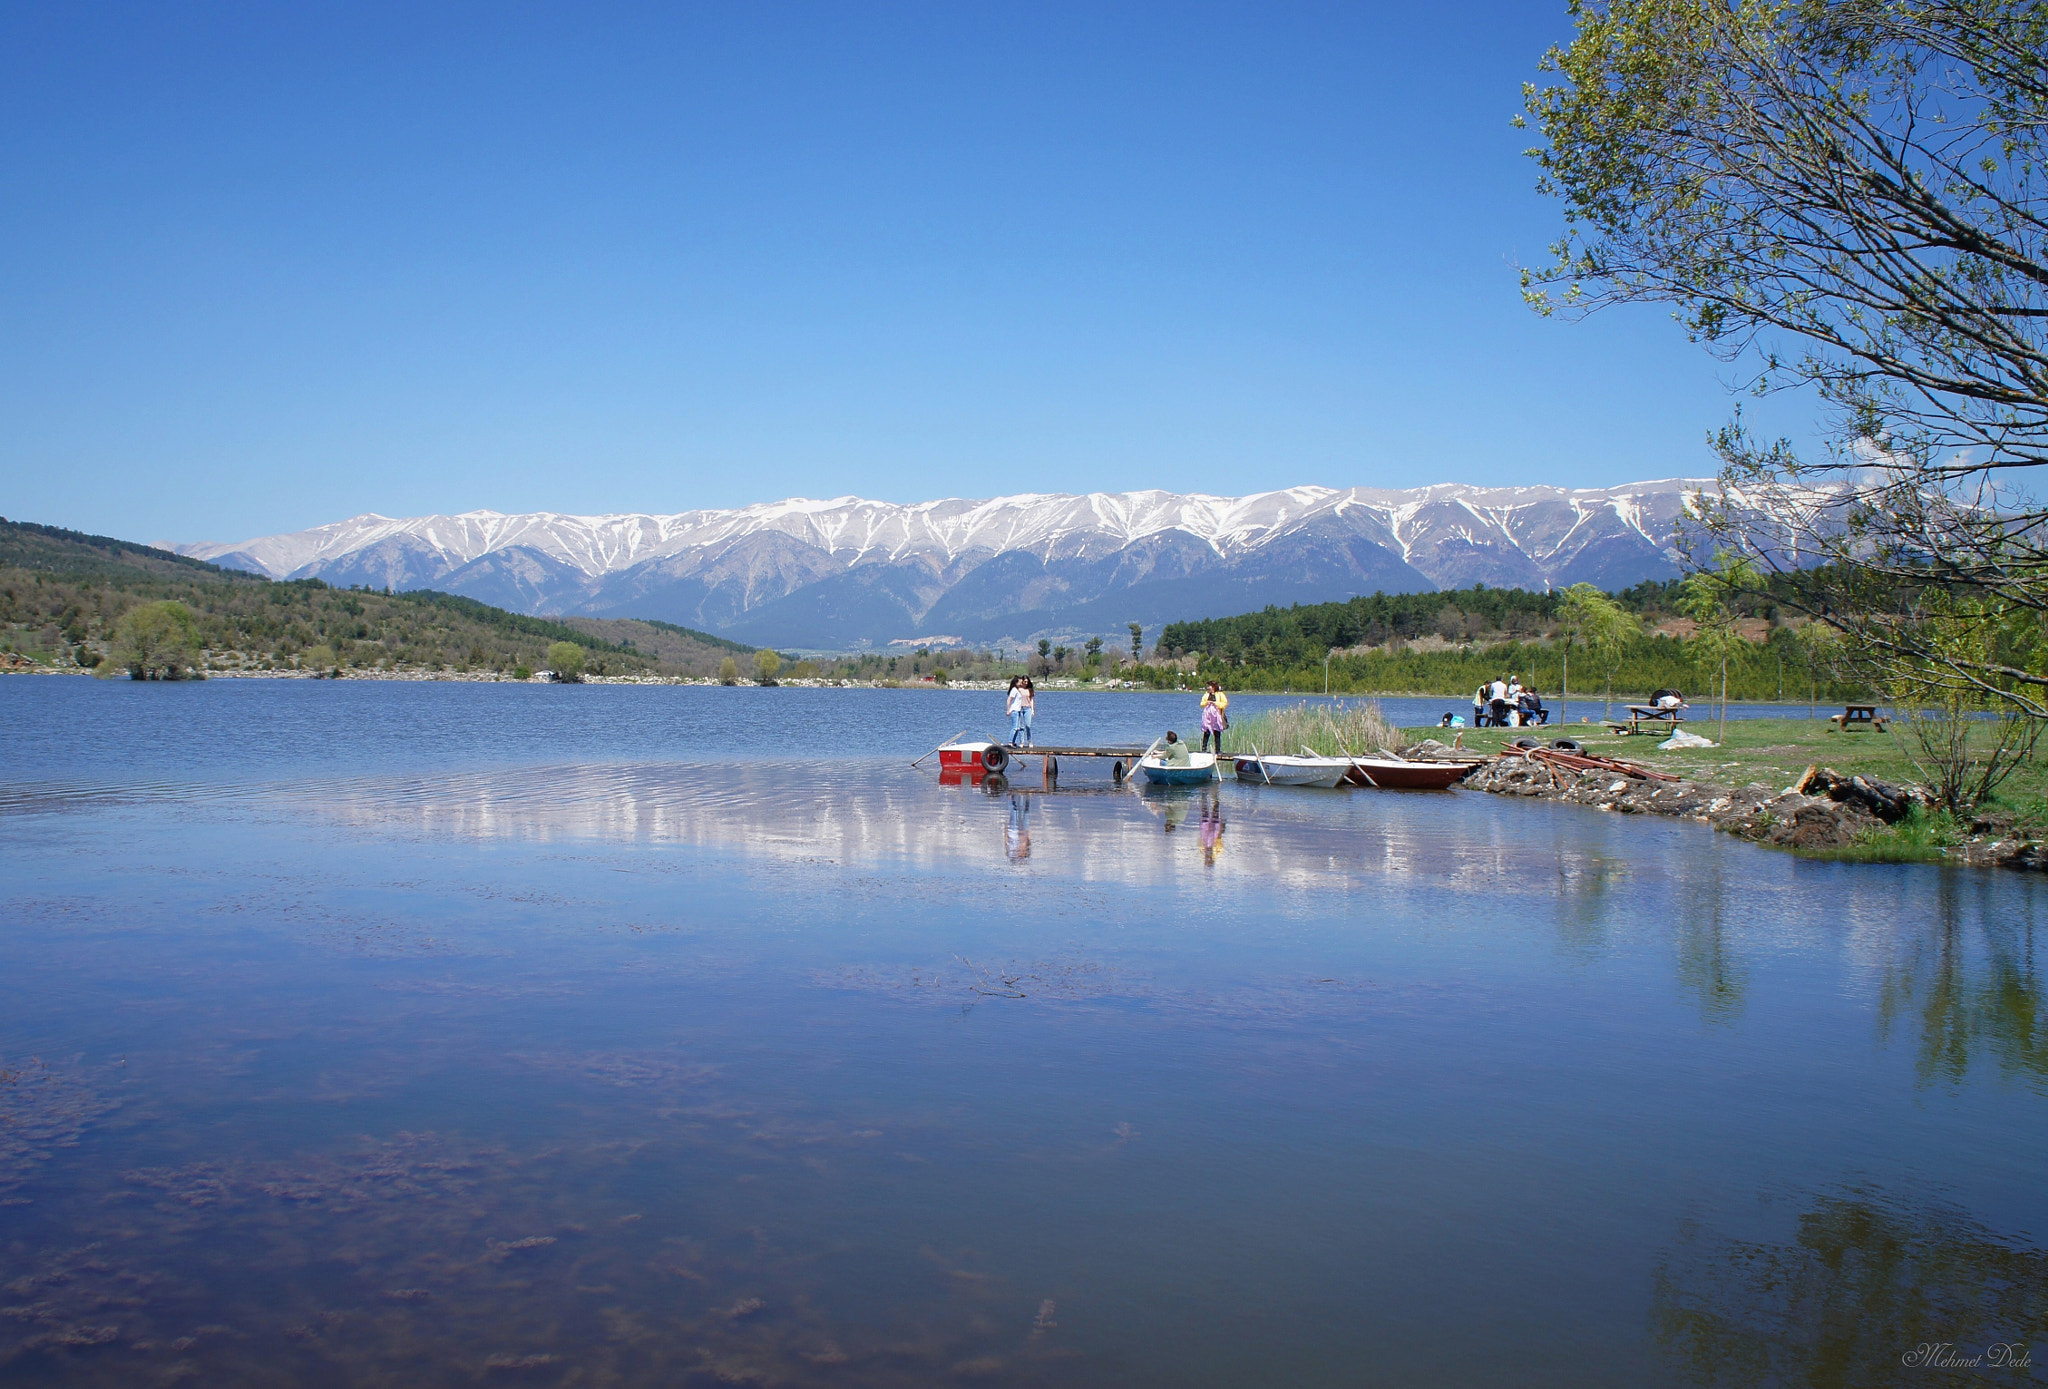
1724,699
1564,700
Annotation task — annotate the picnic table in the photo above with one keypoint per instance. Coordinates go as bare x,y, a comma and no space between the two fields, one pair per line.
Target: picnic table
1655,714
1858,716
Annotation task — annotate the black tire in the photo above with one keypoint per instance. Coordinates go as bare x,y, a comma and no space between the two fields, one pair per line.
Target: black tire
1568,745
995,759
1528,742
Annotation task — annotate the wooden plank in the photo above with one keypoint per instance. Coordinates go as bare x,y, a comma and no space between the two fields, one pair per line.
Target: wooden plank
1048,750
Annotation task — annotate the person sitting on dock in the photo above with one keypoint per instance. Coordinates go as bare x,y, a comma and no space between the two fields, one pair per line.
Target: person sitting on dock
1175,753
1215,716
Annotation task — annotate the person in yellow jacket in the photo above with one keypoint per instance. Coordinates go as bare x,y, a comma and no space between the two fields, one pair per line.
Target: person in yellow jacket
1215,716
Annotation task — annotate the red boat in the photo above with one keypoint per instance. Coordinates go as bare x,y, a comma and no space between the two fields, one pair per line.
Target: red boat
1399,774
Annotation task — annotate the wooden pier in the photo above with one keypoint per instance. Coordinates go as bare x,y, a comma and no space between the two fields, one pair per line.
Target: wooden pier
1124,758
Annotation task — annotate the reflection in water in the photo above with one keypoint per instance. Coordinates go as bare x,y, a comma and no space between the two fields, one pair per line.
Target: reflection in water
1707,966
1864,1284
1017,837
1212,828
1967,979
1587,897
641,1074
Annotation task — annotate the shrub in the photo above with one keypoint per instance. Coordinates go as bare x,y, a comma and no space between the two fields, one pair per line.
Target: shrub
157,641
766,663
728,671
522,671
567,659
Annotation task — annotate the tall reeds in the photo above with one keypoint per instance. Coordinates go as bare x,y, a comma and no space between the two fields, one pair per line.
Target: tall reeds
1353,728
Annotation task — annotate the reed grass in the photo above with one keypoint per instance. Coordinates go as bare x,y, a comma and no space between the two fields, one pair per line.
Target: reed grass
1355,729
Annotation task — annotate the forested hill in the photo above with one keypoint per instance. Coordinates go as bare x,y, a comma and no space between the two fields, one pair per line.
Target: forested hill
1302,634
62,593
1448,642
52,549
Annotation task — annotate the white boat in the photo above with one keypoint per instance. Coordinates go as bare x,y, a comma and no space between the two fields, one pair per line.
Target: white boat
1267,770
1200,767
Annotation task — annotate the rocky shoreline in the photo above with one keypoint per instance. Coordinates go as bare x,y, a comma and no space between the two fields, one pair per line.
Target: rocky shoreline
1845,810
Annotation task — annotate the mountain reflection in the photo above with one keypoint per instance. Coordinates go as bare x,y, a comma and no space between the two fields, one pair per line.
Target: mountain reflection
1850,1300
1964,977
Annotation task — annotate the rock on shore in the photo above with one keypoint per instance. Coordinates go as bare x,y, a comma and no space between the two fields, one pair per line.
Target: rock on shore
1786,818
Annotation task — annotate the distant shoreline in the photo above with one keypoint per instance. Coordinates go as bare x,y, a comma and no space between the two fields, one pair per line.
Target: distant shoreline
982,686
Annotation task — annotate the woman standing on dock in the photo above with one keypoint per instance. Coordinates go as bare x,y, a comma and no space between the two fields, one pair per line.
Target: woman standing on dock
1021,703
1215,716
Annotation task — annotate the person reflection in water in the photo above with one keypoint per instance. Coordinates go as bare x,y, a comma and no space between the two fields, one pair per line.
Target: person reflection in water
1017,839
1212,829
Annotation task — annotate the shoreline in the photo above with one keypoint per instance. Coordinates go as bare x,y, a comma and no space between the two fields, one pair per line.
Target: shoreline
821,683
1779,818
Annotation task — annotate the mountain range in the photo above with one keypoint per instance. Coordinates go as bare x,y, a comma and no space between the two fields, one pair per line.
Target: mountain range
849,574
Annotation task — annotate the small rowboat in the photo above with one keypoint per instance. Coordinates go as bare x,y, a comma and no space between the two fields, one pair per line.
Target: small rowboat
1292,771
1200,767
1399,774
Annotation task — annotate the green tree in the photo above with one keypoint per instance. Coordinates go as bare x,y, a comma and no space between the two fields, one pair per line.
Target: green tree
1851,196
156,641
1592,619
766,663
1717,641
1819,648
728,671
1962,745
1137,642
566,659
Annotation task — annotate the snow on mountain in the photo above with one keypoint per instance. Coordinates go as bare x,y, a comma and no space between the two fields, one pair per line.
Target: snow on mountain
851,572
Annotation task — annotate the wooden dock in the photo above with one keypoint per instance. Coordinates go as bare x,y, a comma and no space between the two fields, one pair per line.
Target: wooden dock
1124,758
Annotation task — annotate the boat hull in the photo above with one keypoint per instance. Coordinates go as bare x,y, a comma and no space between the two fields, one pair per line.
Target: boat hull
1383,774
1325,772
1200,767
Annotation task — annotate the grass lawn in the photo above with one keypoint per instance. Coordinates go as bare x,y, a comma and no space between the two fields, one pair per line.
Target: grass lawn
1777,751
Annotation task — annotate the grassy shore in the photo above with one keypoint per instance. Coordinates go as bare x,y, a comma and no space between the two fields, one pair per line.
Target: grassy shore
1779,751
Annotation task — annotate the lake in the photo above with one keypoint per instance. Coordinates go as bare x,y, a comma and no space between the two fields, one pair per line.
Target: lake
371,1033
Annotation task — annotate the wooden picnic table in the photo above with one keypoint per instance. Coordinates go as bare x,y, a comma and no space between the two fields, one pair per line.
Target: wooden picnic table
1637,713
1858,716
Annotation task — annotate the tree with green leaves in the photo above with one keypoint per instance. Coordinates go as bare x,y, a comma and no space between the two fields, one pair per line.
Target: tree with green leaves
1137,642
1591,619
1820,647
1717,641
728,671
155,641
766,664
566,659
1963,745
1852,197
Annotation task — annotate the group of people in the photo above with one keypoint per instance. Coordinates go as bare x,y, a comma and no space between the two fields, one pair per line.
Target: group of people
1021,704
1505,703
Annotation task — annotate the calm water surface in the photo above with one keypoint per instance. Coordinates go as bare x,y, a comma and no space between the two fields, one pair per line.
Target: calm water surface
457,1034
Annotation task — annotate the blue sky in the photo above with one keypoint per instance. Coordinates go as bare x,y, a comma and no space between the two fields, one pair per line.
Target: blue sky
267,266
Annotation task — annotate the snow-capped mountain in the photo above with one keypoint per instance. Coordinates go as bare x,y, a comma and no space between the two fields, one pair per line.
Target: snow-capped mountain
849,573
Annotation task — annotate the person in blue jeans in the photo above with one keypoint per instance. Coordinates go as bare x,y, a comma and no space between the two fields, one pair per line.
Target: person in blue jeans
1020,703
